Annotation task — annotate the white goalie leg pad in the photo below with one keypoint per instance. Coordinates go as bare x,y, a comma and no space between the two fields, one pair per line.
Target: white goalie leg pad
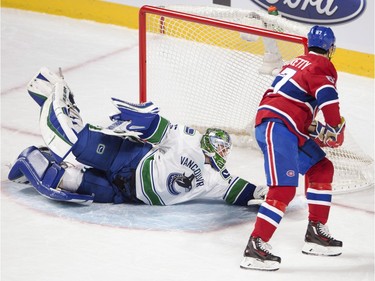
60,122
41,85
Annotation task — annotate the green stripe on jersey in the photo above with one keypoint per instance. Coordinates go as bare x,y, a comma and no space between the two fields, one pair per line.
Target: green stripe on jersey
147,183
157,136
235,190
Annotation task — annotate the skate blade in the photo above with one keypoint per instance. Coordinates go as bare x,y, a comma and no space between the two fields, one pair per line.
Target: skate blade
256,264
318,250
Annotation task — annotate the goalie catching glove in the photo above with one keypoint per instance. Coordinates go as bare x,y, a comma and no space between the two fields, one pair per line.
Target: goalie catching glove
326,135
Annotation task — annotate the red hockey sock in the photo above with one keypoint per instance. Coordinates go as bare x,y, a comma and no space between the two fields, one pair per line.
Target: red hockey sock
272,211
319,196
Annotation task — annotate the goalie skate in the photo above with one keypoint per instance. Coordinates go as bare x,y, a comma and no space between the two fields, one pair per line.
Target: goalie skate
41,85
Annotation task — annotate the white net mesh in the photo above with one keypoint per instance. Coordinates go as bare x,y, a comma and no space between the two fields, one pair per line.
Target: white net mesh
204,76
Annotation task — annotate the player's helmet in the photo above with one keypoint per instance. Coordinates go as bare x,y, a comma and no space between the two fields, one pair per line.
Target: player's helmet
321,37
216,144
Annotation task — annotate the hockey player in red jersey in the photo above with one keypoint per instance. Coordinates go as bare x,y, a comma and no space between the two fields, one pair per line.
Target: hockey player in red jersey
291,142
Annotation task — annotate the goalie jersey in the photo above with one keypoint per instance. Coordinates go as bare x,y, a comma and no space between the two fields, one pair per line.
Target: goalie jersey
175,171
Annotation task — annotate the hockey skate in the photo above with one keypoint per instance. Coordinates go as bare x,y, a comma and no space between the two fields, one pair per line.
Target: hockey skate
319,242
257,256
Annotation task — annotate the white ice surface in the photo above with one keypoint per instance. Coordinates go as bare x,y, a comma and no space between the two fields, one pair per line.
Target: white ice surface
45,240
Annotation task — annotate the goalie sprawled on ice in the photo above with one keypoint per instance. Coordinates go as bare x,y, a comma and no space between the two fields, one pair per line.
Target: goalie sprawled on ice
140,158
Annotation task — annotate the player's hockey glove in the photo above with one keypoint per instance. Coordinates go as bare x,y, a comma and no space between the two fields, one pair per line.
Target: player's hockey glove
326,135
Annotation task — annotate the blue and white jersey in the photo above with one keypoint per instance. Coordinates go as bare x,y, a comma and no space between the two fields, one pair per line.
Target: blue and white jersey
175,171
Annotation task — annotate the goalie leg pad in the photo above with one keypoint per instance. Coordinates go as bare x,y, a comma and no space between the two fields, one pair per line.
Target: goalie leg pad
60,122
32,164
45,176
41,85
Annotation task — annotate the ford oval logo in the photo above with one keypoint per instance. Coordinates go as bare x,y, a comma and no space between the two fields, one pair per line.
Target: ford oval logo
317,11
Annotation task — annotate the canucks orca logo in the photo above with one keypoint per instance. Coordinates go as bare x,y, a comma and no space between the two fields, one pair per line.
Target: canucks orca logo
179,182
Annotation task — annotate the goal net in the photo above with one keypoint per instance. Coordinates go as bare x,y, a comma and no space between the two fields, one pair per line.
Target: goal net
209,67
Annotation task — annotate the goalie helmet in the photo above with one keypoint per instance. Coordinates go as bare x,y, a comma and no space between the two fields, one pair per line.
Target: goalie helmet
321,37
216,144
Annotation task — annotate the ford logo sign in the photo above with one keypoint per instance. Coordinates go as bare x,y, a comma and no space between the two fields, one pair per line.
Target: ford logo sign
317,11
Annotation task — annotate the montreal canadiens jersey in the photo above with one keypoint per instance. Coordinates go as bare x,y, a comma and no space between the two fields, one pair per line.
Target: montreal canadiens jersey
303,87
175,172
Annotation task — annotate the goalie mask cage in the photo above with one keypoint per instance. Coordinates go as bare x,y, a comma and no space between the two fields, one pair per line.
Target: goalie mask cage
203,67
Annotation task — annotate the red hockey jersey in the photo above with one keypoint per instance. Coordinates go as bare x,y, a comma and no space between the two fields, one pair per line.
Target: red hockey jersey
303,87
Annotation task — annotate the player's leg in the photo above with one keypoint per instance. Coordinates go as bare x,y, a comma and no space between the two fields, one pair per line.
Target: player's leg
281,166
96,182
107,152
114,160
318,240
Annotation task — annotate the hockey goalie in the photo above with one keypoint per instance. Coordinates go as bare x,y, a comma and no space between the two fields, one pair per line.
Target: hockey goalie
140,158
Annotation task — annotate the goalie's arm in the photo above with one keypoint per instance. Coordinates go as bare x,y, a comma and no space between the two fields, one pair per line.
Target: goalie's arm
244,193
